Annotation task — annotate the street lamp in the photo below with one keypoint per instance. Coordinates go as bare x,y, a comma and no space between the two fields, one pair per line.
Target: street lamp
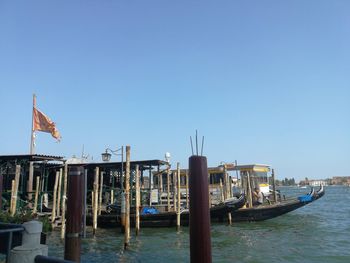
106,157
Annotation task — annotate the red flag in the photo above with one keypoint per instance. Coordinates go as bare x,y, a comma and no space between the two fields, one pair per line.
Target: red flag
43,123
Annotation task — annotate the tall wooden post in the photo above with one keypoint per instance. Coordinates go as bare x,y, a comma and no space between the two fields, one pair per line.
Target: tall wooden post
225,182
74,213
64,198
36,195
250,199
200,240
85,207
15,189
168,186
127,198
160,181
59,191
30,182
97,171
150,185
174,190
13,198
137,197
221,192
54,202
274,185
100,194
112,196
178,215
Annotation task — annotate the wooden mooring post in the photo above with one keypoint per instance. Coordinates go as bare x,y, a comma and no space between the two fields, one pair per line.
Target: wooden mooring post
127,199
174,191
36,195
14,192
178,212
100,194
1,184
95,197
274,185
59,192
54,202
137,197
168,186
64,200
30,182
200,240
74,213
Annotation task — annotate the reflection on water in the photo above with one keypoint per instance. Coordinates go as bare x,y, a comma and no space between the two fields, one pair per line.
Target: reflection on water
318,232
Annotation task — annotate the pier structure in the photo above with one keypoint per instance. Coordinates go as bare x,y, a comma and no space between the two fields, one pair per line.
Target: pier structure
161,187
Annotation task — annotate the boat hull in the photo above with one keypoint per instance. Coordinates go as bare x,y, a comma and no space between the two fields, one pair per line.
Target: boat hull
218,213
264,212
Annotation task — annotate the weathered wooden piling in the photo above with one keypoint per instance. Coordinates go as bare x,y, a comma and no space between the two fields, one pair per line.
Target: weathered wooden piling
250,198
54,202
127,198
30,182
74,213
160,181
36,195
221,192
59,191
274,185
112,196
174,191
200,240
12,208
137,197
100,194
168,186
225,182
178,212
95,197
64,200
14,191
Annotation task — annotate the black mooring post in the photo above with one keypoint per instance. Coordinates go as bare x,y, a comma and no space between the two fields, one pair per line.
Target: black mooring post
200,240
74,213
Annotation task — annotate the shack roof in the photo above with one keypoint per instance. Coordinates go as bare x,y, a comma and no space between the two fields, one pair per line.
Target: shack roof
253,167
144,164
30,158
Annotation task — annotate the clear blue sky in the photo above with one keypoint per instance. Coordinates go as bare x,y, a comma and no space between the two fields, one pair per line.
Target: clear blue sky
263,81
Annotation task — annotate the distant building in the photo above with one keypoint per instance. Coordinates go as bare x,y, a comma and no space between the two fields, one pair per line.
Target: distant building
340,180
317,182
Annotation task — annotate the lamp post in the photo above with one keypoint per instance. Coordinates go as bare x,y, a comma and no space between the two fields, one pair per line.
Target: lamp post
106,157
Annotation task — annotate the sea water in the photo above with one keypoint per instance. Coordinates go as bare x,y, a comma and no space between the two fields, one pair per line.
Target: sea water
318,232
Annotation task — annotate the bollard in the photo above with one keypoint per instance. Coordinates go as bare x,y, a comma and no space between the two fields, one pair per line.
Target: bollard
74,213
31,246
200,240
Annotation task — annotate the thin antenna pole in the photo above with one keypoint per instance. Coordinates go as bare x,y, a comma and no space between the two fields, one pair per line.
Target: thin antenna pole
196,143
32,139
191,144
202,146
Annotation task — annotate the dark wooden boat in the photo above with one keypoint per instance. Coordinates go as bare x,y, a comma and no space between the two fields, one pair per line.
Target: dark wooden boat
268,211
218,213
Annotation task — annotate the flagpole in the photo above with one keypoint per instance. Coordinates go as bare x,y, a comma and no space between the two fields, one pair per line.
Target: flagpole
32,139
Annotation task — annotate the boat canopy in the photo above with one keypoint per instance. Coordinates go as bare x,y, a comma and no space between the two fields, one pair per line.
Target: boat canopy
252,168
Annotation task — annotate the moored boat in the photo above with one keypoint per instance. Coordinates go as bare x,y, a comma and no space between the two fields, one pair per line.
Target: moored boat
218,213
273,204
272,210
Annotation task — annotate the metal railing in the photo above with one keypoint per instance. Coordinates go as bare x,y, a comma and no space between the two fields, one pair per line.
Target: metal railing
8,230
